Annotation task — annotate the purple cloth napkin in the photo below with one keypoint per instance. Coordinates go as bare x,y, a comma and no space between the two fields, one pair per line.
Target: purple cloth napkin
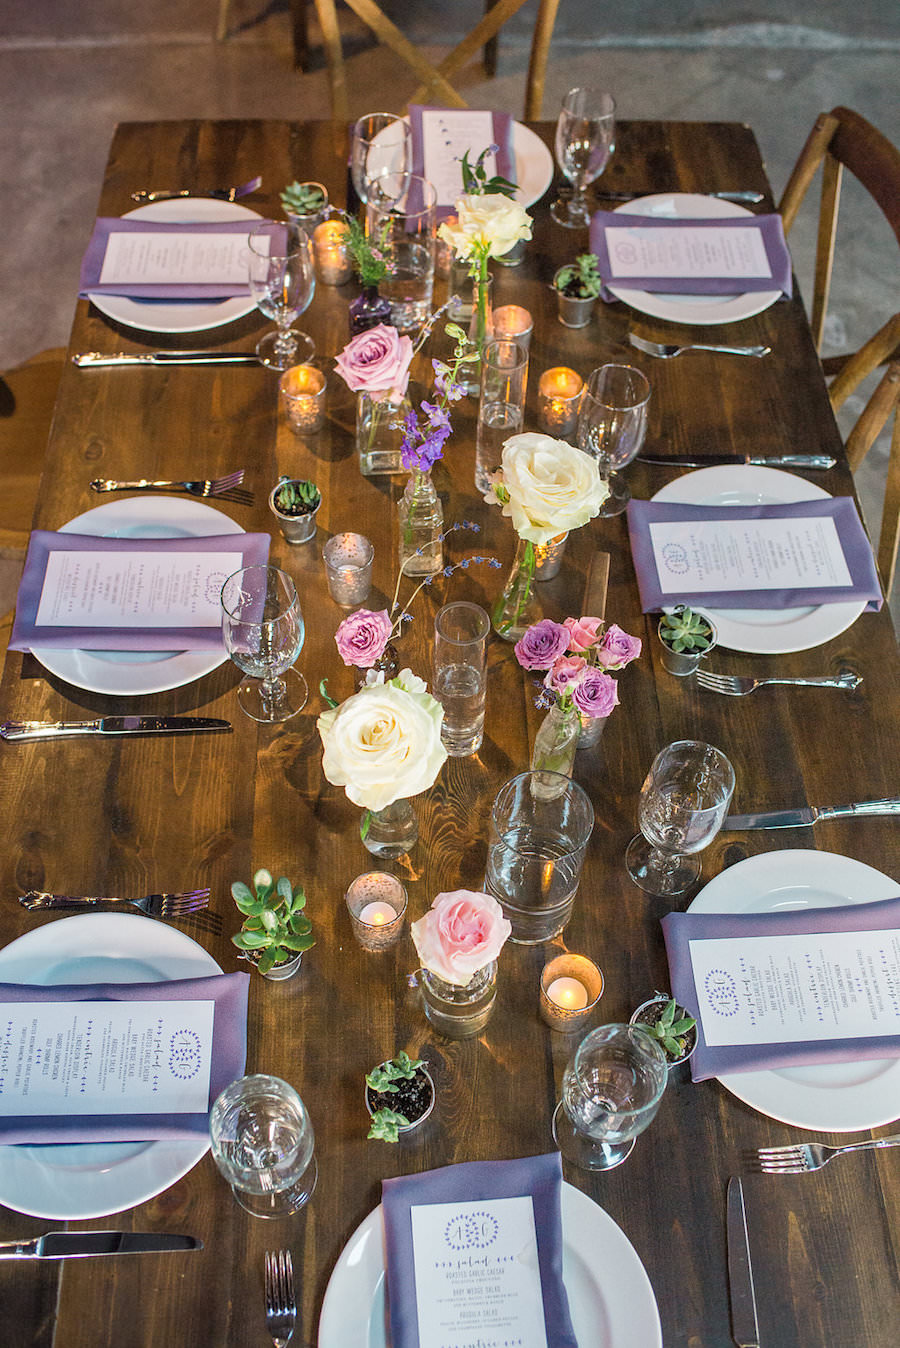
770,227
856,546
92,263
229,1056
679,929
503,139
26,635
539,1177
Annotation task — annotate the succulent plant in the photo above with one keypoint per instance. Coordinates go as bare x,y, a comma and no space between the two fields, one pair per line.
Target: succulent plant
295,497
303,198
401,1068
415,1091
580,279
275,927
386,1125
686,631
670,1033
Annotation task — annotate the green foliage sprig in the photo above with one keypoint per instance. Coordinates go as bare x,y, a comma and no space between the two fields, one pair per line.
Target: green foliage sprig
275,927
477,183
371,253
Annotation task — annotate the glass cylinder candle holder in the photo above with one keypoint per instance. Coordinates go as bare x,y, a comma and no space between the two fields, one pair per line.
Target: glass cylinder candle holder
333,261
348,568
514,322
559,400
376,903
302,390
571,987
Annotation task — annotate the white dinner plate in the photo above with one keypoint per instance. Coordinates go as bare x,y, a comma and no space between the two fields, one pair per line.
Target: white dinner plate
702,309
534,164
83,1180
180,315
761,631
127,672
610,1297
836,1097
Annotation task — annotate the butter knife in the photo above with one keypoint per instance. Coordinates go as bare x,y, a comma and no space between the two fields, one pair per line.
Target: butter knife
744,1324
758,460
96,359
111,725
809,814
747,195
83,1244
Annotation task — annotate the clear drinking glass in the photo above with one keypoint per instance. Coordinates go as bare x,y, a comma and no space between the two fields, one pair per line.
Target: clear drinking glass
501,409
402,219
460,674
684,800
612,424
264,632
585,139
262,1142
611,1091
282,282
380,146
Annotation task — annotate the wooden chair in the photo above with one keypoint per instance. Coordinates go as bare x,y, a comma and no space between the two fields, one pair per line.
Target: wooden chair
843,139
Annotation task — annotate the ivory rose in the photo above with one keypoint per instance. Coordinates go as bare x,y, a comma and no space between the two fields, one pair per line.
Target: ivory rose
362,638
552,487
487,225
461,933
376,361
384,743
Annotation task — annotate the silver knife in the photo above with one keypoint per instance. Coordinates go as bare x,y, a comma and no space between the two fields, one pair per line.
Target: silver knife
750,196
809,814
758,460
111,725
84,1244
744,1324
96,359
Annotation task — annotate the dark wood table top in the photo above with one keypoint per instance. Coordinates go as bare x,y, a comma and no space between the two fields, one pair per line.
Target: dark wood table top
132,816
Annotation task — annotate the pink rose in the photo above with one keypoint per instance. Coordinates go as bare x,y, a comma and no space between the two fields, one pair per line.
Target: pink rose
564,672
583,632
595,694
460,934
617,649
376,361
362,637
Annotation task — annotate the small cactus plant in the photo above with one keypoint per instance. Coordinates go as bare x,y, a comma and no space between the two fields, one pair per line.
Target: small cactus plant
296,497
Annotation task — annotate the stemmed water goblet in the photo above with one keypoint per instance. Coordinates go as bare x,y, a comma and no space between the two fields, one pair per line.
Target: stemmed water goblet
282,282
380,158
683,803
263,1143
612,424
264,632
611,1090
585,139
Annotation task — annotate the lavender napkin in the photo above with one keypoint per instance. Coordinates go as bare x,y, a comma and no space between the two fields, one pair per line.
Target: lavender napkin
92,263
229,1055
249,549
538,1177
680,929
770,229
502,138
854,542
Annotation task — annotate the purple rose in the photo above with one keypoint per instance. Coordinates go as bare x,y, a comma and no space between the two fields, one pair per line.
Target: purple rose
376,361
617,649
362,637
542,643
596,694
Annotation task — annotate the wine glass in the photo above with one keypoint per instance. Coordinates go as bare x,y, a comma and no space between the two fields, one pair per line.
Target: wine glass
585,139
611,1090
264,631
682,807
380,158
282,281
612,424
262,1142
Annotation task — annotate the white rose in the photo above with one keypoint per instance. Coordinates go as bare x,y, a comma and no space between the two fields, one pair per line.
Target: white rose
384,743
486,223
552,486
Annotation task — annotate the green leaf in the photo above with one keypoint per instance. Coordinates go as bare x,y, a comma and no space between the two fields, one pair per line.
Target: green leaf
381,1080
405,1066
240,893
303,942
267,961
386,1124
285,889
270,921
300,925
251,940
263,883
323,691
364,826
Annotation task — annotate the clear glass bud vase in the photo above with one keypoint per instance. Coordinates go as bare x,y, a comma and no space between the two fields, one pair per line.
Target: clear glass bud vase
554,751
517,607
456,1011
391,831
475,313
379,432
421,526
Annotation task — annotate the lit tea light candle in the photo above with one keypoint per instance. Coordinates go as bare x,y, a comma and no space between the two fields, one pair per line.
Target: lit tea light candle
567,993
376,903
512,321
559,398
348,568
376,914
443,252
570,989
333,261
302,390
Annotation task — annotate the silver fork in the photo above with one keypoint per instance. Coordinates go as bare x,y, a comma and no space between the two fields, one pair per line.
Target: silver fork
281,1305
191,903
797,1159
668,349
738,685
227,487
218,193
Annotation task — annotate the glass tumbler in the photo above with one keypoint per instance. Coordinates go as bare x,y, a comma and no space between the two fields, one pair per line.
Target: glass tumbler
262,1142
460,674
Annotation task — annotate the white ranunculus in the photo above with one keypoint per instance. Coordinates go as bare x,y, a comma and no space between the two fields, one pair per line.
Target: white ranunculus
488,224
384,743
552,486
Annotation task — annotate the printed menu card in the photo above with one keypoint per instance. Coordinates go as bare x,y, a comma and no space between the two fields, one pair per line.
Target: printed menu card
153,259
440,138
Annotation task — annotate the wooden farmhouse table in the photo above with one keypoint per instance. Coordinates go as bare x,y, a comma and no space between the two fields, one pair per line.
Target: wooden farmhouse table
95,816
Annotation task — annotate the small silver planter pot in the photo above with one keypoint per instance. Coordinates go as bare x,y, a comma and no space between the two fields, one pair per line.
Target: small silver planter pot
308,220
682,663
573,312
278,972
645,1015
409,1127
295,528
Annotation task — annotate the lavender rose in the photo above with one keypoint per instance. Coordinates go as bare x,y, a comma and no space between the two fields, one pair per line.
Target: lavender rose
617,649
595,694
542,643
376,361
362,637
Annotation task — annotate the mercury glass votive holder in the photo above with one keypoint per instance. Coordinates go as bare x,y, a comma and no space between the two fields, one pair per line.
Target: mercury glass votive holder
514,322
302,391
559,401
571,986
376,903
333,261
348,568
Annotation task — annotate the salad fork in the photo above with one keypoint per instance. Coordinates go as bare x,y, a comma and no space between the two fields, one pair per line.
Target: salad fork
228,488
804,1156
281,1304
187,904
668,349
738,685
